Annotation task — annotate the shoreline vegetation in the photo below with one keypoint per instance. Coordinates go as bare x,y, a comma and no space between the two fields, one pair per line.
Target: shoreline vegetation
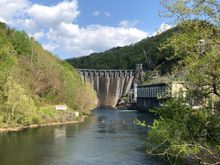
33,81
55,123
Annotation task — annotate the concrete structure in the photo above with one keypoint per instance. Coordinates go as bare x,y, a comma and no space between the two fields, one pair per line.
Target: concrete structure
61,107
111,85
154,95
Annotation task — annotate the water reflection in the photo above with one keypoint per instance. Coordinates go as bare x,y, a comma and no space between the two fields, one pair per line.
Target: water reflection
107,137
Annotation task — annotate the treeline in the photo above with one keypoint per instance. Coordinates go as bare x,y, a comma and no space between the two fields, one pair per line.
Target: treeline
146,52
33,81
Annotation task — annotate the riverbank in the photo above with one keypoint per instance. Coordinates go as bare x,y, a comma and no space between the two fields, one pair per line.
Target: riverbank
21,128
80,143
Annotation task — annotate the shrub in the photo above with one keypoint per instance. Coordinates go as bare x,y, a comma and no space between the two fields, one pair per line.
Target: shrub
182,132
21,108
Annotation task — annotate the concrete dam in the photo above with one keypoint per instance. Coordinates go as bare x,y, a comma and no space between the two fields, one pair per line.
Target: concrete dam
111,85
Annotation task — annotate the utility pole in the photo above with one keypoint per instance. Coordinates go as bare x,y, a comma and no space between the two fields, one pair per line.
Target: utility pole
32,53
148,60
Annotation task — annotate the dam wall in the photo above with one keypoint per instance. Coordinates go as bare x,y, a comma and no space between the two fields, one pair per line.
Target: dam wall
110,85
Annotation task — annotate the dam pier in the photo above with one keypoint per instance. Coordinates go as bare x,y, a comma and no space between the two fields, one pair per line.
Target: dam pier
111,85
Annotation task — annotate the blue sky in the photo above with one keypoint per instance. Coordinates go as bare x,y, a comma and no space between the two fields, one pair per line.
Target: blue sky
78,27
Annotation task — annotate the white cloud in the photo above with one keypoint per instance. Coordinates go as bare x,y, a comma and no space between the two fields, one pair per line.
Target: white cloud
29,25
84,40
107,14
50,46
96,13
3,20
163,27
128,24
38,35
50,16
59,30
12,8
99,13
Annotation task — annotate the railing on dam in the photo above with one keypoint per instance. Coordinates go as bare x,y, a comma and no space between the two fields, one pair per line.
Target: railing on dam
109,73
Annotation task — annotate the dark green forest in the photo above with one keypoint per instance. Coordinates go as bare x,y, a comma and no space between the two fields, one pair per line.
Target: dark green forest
147,52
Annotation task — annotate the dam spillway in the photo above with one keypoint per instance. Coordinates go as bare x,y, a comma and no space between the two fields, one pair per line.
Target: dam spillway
110,85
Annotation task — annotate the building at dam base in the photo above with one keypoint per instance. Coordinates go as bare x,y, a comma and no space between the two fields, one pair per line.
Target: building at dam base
154,95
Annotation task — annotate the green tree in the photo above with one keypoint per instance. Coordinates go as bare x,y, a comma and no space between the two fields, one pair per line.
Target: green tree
183,10
33,81
182,132
21,42
197,52
197,46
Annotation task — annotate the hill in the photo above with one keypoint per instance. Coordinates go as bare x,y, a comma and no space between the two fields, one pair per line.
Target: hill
146,52
33,81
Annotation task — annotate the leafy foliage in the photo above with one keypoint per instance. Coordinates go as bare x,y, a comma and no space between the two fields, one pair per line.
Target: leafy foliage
20,108
20,42
197,49
182,132
197,9
32,78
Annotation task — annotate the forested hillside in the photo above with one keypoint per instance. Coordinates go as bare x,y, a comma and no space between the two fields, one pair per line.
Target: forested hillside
33,81
146,52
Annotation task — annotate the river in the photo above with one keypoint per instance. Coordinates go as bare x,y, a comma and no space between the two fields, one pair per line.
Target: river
107,137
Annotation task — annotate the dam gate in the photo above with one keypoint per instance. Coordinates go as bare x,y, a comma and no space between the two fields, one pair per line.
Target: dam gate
111,85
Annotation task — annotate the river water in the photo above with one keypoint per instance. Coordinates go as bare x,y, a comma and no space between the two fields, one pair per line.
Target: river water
107,137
